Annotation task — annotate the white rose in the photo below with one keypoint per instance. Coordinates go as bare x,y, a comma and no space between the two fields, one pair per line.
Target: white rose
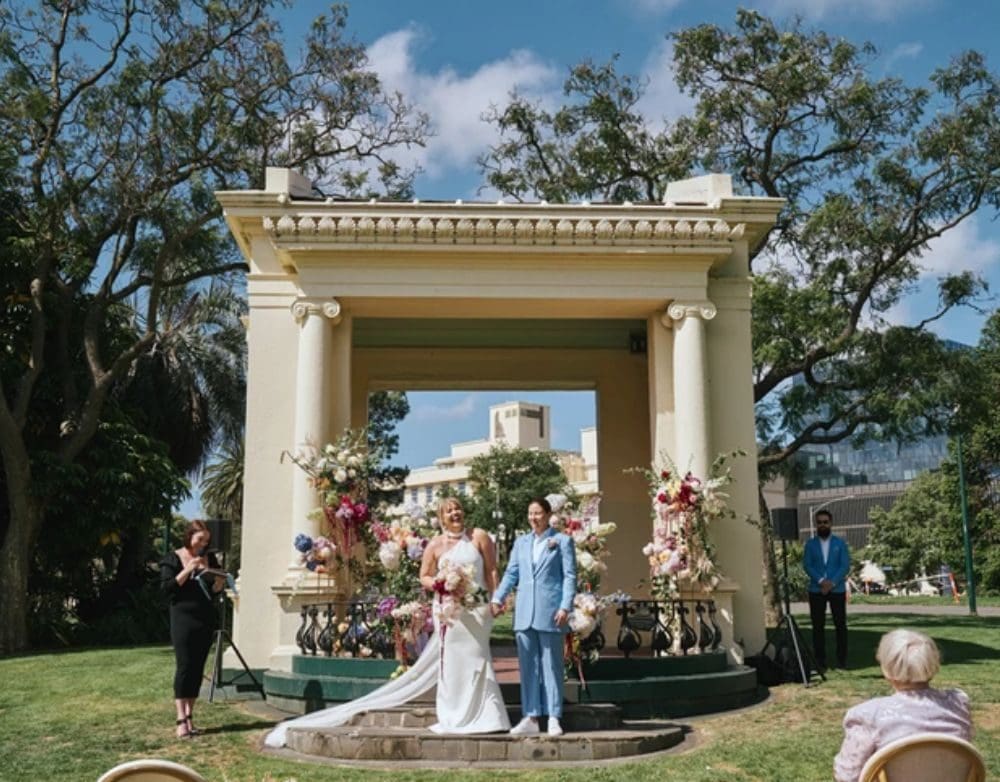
584,560
340,476
389,554
556,501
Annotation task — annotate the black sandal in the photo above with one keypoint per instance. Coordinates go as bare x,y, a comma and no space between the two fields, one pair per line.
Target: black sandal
192,730
186,735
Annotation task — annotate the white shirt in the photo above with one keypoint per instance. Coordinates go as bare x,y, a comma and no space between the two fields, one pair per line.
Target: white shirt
824,546
537,547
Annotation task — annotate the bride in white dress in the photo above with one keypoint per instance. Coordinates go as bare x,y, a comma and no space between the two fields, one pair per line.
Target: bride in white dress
468,696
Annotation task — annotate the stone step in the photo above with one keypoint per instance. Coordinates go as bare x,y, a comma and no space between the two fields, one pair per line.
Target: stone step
576,717
418,744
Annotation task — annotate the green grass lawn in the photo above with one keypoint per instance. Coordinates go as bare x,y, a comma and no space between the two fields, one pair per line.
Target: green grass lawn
73,715
924,600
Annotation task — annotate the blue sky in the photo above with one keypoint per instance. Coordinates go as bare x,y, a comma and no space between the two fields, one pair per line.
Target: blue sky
456,58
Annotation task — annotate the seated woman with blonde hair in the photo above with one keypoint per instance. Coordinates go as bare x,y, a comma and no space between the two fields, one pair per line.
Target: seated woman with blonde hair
909,661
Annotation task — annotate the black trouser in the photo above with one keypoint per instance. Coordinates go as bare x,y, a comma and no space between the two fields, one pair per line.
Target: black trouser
817,613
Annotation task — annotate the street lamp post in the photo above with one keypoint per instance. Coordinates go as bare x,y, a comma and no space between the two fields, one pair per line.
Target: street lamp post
813,509
970,576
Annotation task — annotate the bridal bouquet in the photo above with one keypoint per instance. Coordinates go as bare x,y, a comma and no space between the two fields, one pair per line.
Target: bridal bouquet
455,589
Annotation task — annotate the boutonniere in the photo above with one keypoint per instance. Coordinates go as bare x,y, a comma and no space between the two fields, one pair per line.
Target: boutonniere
553,542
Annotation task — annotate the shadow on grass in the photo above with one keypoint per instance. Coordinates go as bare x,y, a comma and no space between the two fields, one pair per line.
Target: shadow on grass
235,727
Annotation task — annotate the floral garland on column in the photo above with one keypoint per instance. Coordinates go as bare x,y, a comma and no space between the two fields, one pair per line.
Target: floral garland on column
589,535
375,553
684,506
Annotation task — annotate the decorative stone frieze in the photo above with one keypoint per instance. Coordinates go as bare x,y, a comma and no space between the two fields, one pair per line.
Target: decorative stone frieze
440,229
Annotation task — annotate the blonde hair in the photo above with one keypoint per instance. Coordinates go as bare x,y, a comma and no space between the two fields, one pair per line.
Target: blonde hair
908,656
446,503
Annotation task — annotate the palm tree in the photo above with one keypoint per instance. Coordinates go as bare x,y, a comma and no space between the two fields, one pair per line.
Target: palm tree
190,388
222,495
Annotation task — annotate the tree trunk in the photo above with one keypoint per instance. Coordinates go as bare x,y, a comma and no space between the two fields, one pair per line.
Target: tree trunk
15,556
772,594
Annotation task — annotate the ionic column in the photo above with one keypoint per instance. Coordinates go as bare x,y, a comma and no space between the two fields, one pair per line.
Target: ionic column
315,319
690,385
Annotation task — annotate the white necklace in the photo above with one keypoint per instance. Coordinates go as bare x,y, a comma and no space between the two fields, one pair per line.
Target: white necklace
454,535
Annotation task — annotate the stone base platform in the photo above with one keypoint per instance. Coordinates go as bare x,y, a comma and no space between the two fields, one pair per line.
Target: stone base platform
644,687
594,732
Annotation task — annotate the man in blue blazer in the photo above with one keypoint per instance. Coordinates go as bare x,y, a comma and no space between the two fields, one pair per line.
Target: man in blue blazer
826,561
542,568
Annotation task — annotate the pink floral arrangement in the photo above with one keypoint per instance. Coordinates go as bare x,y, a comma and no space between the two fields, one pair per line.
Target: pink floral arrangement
683,507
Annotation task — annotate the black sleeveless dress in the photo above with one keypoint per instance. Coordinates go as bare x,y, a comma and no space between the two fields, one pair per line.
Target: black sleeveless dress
193,619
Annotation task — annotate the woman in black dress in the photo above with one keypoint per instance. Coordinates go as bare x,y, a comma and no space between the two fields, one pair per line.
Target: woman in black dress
192,617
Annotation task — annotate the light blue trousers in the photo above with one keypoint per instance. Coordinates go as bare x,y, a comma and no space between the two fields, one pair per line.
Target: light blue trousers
540,656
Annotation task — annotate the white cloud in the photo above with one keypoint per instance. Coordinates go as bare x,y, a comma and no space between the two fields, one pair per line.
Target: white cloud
663,99
872,9
460,410
456,102
904,51
654,6
965,247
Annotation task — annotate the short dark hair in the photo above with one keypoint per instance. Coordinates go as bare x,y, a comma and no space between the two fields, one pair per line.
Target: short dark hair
541,502
826,513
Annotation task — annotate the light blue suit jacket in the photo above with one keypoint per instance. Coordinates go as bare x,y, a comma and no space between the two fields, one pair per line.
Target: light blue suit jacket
543,587
837,564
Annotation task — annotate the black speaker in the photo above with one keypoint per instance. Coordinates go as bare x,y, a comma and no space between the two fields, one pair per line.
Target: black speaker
785,523
222,533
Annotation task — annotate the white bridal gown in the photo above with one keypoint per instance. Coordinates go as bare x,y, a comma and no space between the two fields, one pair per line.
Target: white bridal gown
468,696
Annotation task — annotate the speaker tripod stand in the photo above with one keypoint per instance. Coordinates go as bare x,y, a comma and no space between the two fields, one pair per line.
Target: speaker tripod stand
788,644
222,638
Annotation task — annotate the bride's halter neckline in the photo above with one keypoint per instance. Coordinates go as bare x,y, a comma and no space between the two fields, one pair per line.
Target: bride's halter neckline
455,535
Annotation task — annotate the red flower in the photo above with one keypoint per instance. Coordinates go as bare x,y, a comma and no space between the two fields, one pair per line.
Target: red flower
665,474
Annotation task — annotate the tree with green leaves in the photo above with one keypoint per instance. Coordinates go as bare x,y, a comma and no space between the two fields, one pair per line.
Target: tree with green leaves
385,410
122,117
505,481
923,529
872,170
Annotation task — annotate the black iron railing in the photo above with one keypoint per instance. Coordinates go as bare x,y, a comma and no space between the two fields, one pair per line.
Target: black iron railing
658,627
339,628
665,627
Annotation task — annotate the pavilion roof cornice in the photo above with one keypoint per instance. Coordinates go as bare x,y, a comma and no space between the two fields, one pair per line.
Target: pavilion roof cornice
582,227
310,223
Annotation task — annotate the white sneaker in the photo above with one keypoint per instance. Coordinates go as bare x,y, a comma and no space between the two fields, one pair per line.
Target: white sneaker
526,727
555,729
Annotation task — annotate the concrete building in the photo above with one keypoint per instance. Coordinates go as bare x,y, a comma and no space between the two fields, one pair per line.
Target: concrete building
517,425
